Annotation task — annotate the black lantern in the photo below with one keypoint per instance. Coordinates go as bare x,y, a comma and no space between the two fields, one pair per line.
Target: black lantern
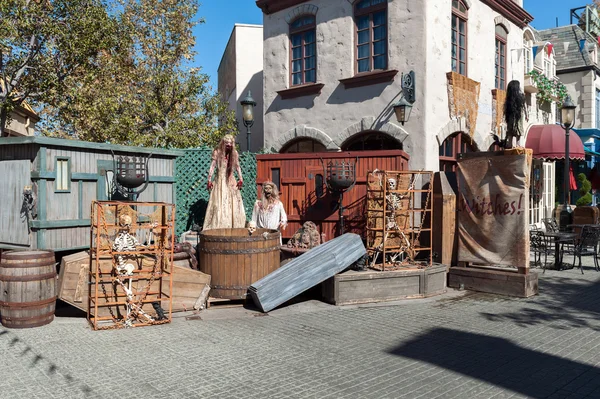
403,107
567,113
248,105
130,172
341,177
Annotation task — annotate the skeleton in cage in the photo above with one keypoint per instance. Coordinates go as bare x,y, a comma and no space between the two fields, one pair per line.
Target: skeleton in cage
393,203
125,241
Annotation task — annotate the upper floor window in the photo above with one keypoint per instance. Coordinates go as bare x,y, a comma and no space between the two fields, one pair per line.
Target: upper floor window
459,37
527,52
547,64
371,35
303,57
501,38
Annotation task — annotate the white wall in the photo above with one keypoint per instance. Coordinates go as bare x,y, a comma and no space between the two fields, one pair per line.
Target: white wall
338,112
240,70
419,37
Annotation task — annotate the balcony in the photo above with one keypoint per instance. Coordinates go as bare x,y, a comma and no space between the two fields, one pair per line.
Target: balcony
529,85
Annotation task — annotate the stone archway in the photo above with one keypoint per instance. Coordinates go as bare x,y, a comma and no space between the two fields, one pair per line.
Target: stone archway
303,131
368,124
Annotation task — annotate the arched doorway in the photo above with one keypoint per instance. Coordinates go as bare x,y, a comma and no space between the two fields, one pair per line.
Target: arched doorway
303,145
455,144
371,141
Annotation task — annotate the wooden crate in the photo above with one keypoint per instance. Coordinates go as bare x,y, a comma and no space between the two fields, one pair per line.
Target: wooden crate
353,287
188,284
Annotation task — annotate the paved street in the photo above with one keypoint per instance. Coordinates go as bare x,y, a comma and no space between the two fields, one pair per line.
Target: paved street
460,345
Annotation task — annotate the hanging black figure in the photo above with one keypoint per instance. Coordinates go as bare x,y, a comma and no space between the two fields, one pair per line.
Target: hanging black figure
515,108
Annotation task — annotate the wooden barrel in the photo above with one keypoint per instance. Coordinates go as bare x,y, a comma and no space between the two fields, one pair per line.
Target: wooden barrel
235,260
27,288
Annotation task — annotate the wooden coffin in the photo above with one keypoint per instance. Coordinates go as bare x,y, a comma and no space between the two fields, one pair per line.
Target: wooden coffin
188,285
306,271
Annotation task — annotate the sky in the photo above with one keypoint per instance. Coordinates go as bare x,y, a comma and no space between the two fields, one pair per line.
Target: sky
220,15
212,36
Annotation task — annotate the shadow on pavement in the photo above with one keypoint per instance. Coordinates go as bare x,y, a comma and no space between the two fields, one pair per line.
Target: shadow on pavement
38,360
498,361
571,302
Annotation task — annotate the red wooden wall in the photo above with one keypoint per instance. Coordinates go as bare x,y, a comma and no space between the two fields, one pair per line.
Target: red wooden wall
299,175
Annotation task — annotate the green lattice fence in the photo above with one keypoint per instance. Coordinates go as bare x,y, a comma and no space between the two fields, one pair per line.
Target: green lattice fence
191,195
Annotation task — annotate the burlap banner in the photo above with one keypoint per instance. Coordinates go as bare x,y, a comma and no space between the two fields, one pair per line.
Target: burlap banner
493,208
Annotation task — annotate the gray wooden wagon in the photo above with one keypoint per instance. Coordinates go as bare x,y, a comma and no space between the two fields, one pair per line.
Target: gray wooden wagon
66,175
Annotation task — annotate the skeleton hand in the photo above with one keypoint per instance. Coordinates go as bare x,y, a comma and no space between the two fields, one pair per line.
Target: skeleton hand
240,183
209,185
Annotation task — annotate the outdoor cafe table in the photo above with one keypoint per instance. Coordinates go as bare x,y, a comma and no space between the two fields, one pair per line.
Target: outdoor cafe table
560,237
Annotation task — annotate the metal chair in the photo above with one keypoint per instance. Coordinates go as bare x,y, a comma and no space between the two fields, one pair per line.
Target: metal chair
539,244
587,244
550,224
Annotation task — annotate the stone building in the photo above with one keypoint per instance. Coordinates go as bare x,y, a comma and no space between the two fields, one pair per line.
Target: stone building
333,70
240,71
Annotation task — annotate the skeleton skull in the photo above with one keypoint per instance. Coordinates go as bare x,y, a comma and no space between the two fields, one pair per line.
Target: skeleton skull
251,227
125,220
391,183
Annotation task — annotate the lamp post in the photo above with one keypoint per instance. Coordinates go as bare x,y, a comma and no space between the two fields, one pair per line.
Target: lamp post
567,113
403,107
248,105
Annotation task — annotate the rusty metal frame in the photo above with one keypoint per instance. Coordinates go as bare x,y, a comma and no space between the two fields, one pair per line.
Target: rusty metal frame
161,251
415,228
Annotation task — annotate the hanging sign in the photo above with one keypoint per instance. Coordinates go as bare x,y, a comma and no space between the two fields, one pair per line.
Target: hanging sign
493,203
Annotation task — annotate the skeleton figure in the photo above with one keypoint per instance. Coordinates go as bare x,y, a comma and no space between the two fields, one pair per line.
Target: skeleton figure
125,242
251,227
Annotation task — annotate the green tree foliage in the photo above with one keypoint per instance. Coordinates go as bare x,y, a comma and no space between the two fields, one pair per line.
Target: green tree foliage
45,42
136,86
584,190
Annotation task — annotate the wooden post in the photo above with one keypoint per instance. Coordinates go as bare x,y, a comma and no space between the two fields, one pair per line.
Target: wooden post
444,226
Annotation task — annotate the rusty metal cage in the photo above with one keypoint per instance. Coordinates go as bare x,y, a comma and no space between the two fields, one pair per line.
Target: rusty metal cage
399,215
131,264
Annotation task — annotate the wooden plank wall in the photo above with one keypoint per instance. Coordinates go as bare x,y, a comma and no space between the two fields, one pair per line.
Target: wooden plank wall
298,191
75,205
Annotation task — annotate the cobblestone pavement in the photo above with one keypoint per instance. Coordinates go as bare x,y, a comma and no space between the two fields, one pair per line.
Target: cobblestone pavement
459,345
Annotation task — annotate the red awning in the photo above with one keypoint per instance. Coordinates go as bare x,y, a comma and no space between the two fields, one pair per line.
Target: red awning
548,142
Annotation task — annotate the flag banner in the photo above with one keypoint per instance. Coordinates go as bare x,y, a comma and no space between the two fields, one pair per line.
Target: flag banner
535,50
493,199
566,45
549,48
581,44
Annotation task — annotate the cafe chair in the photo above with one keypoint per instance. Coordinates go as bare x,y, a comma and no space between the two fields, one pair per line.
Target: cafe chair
540,245
550,224
587,244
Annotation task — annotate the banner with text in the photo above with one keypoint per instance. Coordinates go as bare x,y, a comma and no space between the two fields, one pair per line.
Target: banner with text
493,203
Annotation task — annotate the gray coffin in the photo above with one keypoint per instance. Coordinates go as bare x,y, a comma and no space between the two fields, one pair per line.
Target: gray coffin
306,271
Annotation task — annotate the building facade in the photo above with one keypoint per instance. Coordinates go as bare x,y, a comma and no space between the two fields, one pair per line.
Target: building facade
240,72
334,69
22,122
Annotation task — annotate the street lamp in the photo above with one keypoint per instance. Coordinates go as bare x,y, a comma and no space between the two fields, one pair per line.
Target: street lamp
248,105
567,113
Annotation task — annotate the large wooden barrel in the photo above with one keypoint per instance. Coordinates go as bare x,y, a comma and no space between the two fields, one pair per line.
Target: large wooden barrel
235,260
27,288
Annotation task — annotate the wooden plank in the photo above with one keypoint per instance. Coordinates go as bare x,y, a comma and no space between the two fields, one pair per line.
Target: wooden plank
306,271
15,176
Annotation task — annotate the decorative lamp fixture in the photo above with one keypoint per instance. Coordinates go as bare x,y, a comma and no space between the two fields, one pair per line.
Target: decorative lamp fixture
248,105
130,172
403,107
567,113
